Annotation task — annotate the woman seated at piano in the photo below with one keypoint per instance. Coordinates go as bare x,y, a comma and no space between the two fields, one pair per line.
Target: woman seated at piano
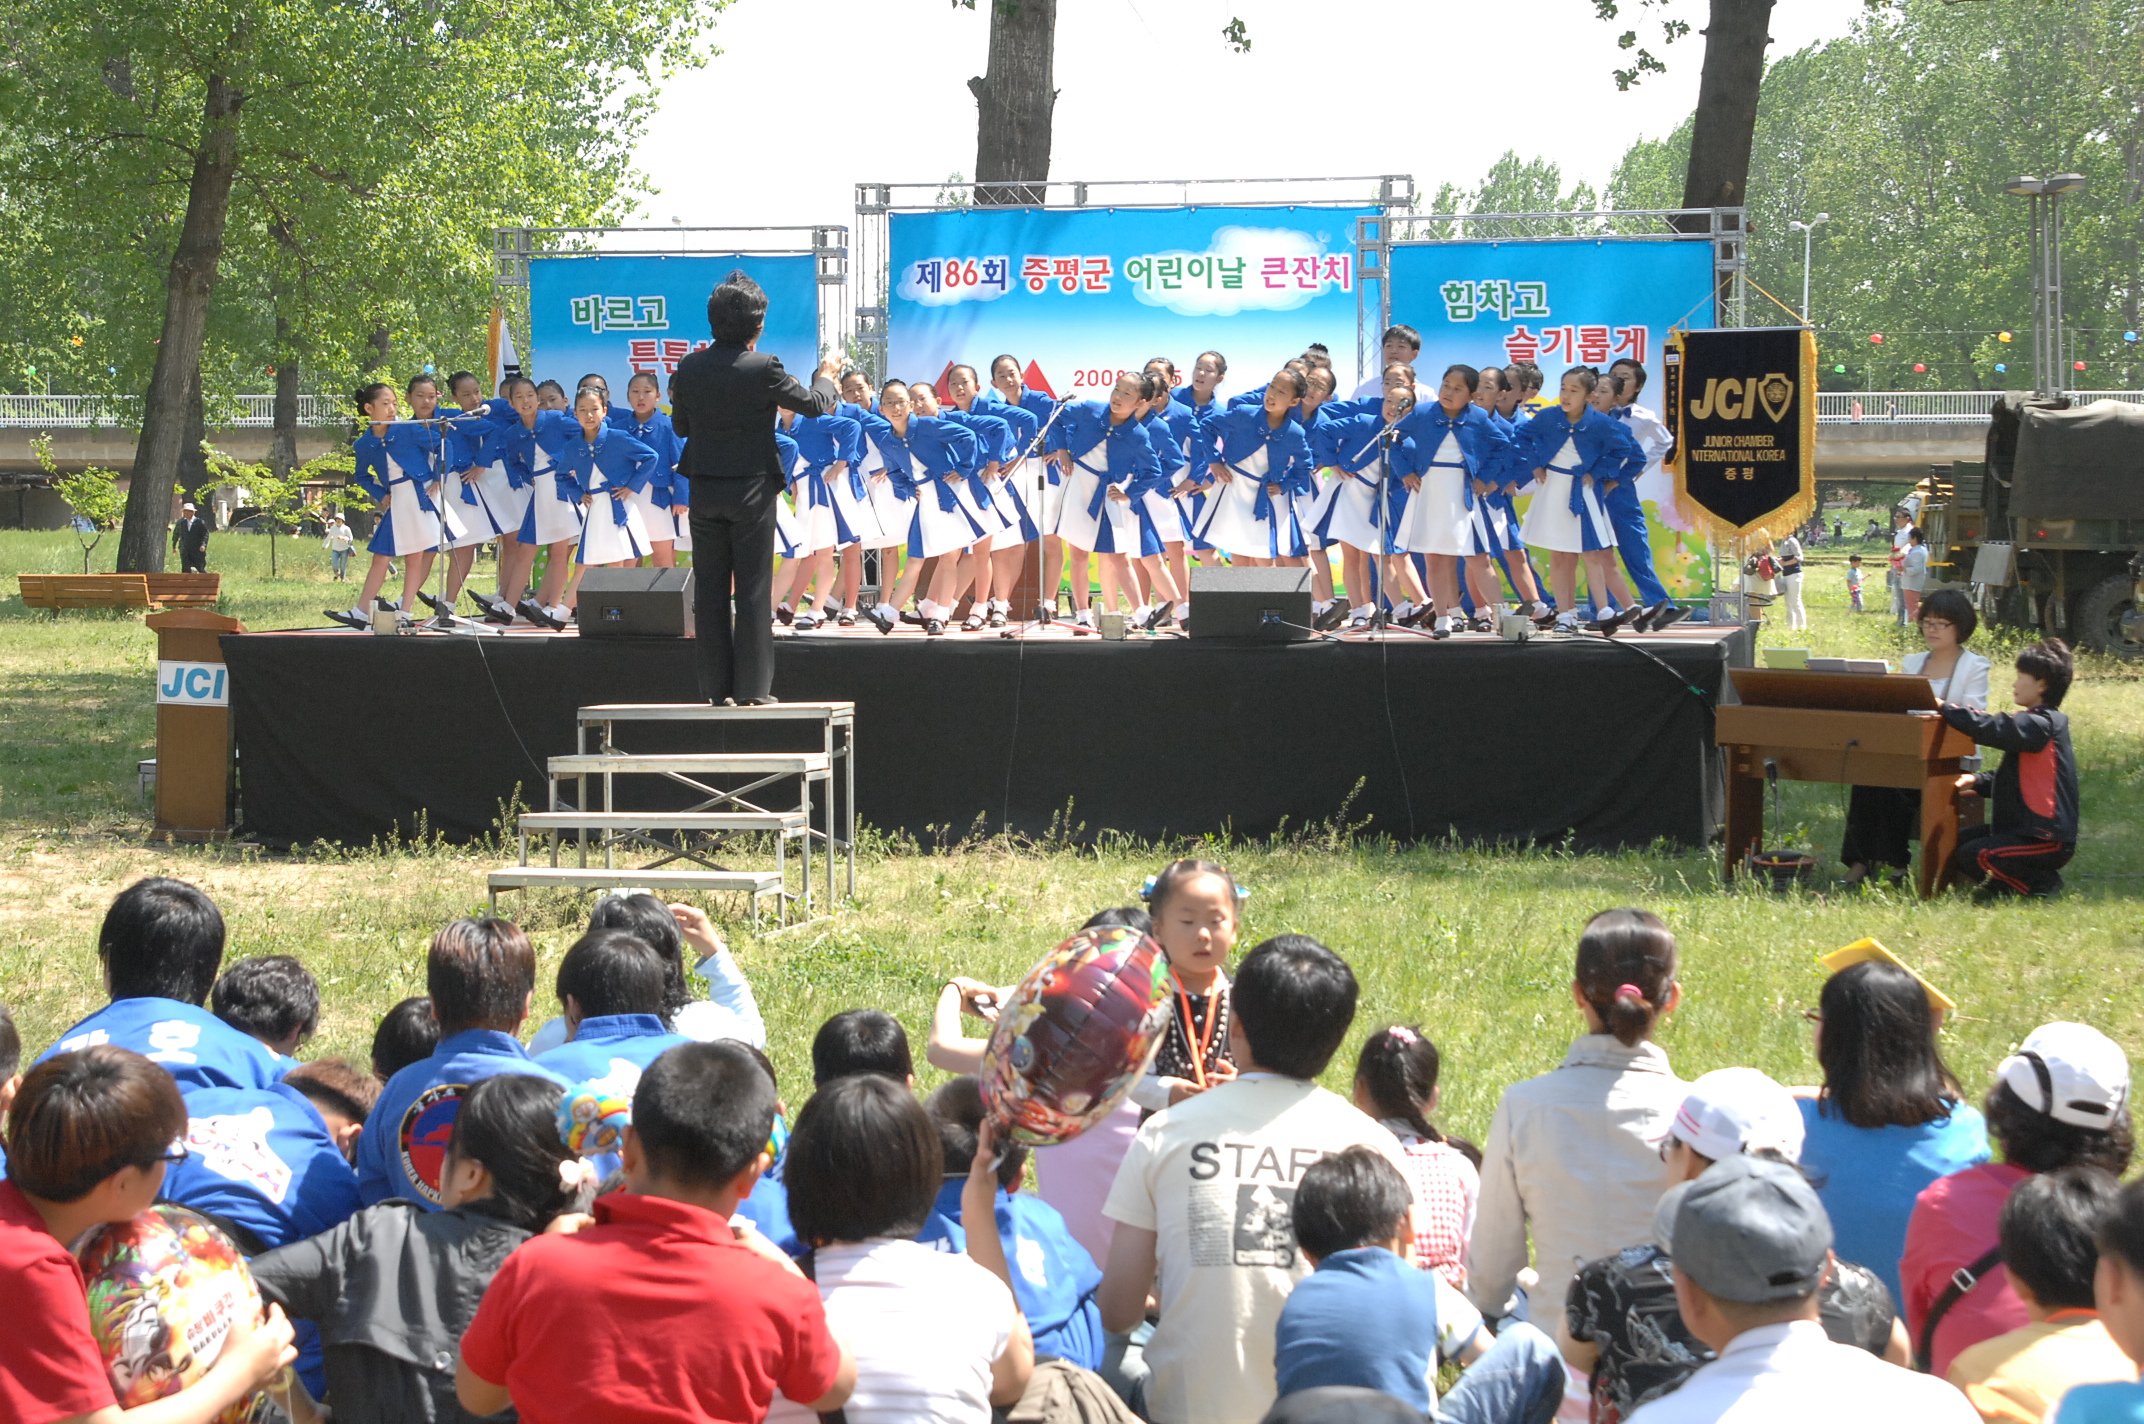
1880,820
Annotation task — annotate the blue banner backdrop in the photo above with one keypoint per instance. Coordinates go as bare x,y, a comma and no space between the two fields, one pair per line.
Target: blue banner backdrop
618,315
1080,295
1562,304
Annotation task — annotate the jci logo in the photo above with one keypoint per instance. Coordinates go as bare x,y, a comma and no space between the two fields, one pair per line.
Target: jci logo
193,684
1734,399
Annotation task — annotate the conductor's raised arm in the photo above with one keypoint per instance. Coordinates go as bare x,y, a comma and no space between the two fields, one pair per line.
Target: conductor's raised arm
819,398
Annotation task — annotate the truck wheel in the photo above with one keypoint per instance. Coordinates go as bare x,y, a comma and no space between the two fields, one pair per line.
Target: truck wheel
2107,618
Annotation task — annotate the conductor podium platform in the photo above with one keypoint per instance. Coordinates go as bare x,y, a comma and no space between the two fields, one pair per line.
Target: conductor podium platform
348,736
1861,729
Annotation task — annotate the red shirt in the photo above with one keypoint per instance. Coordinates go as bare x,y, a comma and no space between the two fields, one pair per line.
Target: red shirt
49,1364
1953,1225
654,1313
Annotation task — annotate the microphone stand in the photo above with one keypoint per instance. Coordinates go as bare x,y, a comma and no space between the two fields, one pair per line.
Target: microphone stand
1388,438
1044,596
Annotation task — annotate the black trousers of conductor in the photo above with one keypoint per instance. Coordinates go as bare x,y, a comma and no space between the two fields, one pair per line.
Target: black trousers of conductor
733,549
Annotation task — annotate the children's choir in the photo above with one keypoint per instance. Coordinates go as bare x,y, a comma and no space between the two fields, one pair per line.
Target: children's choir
969,490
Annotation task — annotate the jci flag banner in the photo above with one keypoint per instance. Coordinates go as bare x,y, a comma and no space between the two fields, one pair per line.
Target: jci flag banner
1742,405
621,315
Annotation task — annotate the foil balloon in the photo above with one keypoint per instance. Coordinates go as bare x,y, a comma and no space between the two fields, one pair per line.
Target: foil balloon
1074,1036
164,1292
592,1118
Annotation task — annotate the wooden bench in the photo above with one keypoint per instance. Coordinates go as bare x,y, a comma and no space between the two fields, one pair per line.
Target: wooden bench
58,591
185,590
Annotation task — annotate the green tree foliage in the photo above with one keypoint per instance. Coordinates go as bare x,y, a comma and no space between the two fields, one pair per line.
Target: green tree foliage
1904,132
92,493
328,172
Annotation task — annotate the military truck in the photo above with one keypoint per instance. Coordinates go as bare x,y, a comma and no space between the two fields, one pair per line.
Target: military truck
2048,529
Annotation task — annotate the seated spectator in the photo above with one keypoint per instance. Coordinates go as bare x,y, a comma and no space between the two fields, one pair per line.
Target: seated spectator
90,1134
936,1335
2118,1291
662,1309
2050,1228
729,1011
1053,1277
1752,1246
1367,1317
161,944
1396,1083
1889,1118
861,1041
261,1164
406,1034
271,997
394,1287
10,1071
1220,1167
611,987
482,976
1625,1332
343,1096
766,1207
1573,1156
2062,1100
1074,1176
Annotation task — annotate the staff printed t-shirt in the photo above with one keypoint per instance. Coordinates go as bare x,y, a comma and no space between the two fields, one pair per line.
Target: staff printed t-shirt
1214,1178
195,1047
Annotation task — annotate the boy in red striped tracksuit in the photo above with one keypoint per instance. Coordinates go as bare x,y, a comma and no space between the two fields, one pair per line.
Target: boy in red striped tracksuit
2033,829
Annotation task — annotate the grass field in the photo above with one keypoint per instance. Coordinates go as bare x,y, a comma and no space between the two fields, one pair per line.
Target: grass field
1472,945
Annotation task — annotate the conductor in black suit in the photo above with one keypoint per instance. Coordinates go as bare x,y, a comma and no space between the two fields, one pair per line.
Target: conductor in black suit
722,406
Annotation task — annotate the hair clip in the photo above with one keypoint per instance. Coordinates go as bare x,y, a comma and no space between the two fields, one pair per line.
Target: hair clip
1400,1033
1146,889
1629,991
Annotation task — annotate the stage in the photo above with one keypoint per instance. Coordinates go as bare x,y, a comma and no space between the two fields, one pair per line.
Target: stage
347,736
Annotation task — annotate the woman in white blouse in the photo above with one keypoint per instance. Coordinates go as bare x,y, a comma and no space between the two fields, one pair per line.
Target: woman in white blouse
1881,819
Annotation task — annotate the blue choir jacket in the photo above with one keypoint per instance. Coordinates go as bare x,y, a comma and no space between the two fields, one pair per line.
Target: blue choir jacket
614,461
933,451
514,445
405,1139
1242,432
195,1047
666,486
1482,446
1128,458
1605,449
823,439
1175,433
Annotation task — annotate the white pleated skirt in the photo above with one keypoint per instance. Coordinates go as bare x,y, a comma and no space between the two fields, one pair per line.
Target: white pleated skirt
481,523
410,527
1435,518
605,541
1552,524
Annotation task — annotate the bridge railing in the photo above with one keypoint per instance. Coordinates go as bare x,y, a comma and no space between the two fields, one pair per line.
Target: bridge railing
246,412
1925,407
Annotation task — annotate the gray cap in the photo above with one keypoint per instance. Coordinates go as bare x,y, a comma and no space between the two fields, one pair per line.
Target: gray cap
1751,1231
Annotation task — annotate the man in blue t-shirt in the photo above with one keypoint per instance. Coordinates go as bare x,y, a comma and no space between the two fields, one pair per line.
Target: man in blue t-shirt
161,945
482,977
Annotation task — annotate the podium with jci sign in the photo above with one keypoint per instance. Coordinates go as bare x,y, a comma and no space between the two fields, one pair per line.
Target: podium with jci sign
195,791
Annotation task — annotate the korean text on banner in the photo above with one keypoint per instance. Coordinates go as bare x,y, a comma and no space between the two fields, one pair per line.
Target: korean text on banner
1079,296
621,315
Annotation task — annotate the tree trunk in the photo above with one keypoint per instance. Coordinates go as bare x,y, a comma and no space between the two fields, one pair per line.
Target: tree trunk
145,534
283,444
193,465
1726,122
379,346
1014,101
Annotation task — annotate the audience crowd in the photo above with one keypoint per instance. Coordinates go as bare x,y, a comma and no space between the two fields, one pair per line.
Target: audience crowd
1233,1244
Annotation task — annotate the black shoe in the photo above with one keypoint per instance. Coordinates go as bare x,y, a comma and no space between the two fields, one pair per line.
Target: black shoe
1162,617
1608,624
881,620
934,627
1044,613
770,700
536,613
1331,618
784,615
997,618
909,615
438,605
498,613
348,619
973,623
1665,615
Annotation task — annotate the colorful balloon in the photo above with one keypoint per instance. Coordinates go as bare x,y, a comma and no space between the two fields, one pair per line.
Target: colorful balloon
1073,1038
164,1291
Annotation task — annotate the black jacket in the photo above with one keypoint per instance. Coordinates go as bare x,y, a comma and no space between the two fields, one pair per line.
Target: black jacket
723,406
2034,791
392,1290
190,536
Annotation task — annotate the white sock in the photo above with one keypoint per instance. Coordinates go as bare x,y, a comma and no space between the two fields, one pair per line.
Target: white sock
1317,610
1183,609
887,608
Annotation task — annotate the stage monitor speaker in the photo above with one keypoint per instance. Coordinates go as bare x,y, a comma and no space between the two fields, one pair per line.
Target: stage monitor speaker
635,603
1265,605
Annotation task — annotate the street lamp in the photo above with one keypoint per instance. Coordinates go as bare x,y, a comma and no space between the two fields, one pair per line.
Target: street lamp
2045,195
1808,231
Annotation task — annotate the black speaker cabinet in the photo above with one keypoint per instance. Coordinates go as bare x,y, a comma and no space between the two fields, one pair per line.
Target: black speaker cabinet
1268,605
635,603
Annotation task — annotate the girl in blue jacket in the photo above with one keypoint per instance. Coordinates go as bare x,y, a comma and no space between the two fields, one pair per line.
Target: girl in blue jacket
1258,460
662,505
608,467
1459,455
1574,450
1102,452
923,460
528,444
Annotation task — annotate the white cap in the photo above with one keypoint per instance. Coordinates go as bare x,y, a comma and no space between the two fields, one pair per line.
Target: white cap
2071,1072
1732,1111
